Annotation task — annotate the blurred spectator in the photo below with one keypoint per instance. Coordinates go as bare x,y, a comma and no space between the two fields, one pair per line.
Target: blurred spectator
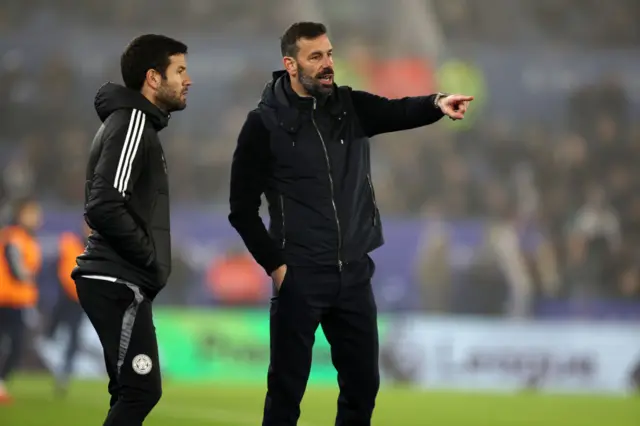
434,267
595,239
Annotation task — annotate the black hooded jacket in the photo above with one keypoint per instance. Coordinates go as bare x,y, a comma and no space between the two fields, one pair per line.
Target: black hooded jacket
311,159
127,193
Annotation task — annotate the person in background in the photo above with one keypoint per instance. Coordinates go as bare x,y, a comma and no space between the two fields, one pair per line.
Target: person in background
67,309
20,262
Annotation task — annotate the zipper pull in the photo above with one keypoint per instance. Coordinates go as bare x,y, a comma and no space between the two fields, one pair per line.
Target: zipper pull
314,104
340,265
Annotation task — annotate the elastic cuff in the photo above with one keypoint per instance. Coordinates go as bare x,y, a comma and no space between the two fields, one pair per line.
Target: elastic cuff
274,262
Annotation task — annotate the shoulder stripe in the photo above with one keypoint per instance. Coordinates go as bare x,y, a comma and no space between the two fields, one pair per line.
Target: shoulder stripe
123,154
129,150
137,139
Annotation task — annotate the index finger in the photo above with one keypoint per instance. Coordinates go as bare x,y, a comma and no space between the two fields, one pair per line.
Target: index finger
462,98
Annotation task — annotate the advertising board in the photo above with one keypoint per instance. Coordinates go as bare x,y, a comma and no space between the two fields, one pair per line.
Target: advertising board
499,355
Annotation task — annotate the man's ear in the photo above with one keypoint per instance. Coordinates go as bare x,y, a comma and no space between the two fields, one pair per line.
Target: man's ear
290,65
153,79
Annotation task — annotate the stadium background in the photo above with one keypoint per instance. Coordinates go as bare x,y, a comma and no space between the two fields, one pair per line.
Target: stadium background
513,238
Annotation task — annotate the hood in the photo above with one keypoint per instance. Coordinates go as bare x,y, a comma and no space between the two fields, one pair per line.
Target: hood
278,94
112,97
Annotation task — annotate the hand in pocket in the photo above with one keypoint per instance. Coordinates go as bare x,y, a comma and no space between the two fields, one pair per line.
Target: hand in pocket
278,276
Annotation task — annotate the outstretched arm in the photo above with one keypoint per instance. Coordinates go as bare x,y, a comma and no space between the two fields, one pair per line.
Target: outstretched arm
382,115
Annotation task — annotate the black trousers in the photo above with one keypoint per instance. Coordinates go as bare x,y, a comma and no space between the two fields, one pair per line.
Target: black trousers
12,331
67,313
343,303
123,320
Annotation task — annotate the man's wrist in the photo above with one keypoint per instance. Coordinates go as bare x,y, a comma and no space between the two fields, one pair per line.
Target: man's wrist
270,271
438,98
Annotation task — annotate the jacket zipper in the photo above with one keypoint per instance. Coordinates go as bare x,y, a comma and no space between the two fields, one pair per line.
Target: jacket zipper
284,237
333,201
373,196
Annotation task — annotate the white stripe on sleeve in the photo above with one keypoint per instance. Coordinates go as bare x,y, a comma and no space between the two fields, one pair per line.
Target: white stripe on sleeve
129,149
123,154
137,138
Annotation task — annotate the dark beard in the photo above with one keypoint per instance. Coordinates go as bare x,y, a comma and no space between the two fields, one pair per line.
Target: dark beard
168,101
313,86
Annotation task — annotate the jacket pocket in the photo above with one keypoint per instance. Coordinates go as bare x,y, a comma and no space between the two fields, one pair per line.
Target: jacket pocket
161,236
373,198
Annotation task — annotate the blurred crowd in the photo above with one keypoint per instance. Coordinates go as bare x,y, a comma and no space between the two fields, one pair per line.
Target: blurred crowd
225,15
574,182
577,187
587,23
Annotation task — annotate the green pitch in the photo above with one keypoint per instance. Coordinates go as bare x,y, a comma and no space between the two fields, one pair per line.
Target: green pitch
227,405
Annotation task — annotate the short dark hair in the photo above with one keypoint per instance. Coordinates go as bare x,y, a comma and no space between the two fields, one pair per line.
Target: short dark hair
149,51
289,40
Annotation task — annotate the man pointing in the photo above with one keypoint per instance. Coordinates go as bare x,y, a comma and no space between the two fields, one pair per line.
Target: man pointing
306,147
